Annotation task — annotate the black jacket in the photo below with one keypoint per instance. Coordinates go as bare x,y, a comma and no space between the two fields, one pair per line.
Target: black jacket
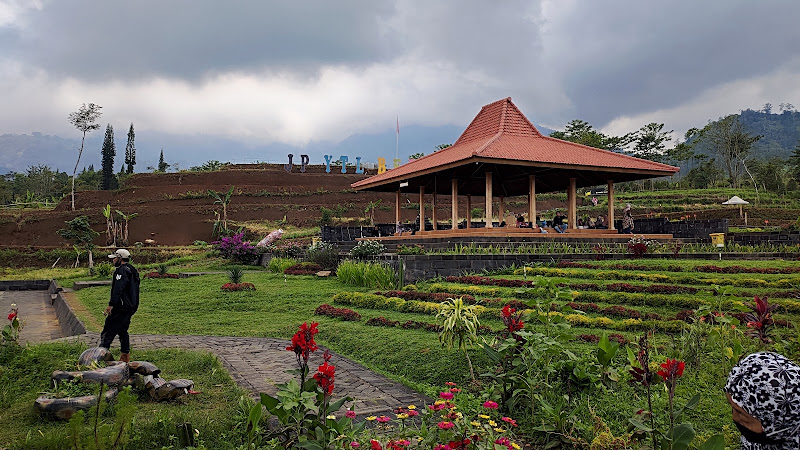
125,289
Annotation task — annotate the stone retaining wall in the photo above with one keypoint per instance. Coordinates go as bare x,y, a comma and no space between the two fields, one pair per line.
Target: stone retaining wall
24,285
67,319
780,238
423,267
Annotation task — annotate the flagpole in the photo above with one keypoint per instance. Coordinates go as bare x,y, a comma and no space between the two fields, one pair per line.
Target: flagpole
397,143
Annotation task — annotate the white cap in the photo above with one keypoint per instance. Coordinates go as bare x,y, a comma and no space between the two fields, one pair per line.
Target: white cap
120,253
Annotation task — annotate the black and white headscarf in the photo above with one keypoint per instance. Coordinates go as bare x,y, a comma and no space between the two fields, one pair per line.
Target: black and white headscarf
767,386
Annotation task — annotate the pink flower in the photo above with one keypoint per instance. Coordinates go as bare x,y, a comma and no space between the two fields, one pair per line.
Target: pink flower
509,420
446,395
455,390
350,414
412,412
450,383
355,444
445,425
490,404
384,419
441,447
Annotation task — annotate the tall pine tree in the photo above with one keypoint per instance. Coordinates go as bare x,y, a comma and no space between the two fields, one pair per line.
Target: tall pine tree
130,150
162,165
109,152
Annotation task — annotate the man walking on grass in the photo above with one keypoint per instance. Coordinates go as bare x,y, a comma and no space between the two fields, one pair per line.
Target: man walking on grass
123,303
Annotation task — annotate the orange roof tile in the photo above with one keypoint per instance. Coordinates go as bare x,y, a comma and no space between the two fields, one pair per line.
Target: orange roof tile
501,132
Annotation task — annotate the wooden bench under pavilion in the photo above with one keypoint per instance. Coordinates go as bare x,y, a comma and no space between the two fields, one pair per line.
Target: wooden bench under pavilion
502,154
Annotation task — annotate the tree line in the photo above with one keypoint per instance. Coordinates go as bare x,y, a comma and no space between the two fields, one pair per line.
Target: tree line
721,154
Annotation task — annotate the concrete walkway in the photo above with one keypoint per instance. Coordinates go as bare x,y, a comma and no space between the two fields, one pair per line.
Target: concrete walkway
256,364
38,317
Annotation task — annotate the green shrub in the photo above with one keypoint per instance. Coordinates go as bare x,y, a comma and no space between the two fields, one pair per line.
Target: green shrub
367,248
469,290
324,254
278,264
367,274
103,269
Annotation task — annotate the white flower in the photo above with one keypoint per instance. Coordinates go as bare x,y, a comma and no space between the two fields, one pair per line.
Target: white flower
13,306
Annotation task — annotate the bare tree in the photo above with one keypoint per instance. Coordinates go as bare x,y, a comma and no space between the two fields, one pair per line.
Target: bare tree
84,119
731,143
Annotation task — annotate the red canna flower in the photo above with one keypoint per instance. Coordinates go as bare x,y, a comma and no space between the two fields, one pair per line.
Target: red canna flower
303,341
671,369
325,376
12,316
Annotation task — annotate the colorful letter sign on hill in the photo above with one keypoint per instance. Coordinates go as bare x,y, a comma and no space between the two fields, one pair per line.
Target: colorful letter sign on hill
304,161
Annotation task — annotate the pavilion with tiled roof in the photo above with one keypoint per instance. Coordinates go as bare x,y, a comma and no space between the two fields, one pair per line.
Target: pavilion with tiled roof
501,154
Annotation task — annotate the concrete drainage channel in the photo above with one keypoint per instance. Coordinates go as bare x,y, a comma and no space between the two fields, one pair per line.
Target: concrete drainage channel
68,322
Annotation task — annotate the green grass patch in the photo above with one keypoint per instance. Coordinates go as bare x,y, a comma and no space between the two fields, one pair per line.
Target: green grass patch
26,373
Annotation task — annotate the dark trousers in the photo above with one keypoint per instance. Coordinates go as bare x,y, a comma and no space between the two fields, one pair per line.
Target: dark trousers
117,323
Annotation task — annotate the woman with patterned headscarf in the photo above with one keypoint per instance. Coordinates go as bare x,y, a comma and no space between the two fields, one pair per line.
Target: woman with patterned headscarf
764,392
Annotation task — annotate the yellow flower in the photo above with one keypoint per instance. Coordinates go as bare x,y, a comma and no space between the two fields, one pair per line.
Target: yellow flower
371,418
493,423
402,416
500,430
331,416
483,416
412,407
475,423
516,446
439,402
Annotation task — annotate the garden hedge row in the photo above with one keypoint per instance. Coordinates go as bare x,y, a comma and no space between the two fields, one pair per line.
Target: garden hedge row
397,304
678,268
784,283
629,298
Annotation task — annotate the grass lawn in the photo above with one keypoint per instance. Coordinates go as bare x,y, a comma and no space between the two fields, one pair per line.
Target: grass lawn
25,373
415,357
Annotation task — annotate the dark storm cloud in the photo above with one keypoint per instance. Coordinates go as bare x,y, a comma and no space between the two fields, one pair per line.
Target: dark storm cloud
632,57
101,40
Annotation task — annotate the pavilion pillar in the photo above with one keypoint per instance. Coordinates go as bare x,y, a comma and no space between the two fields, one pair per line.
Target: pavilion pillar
611,205
469,211
397,211
573,208
422,208
502,210
454,203
433,211
489,200
532,199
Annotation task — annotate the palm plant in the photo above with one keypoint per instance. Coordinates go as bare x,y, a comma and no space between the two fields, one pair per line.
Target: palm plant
459,327
235,275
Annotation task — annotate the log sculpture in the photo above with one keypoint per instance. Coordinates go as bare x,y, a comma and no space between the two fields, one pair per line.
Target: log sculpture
142,374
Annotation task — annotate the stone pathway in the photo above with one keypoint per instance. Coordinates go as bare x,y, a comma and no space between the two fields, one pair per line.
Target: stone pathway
39,322
256,364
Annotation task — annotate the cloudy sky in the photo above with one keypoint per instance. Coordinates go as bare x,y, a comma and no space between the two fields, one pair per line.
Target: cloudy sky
267,76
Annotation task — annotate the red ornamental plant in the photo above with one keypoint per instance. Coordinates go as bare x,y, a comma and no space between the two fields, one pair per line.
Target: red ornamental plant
325,376
233,287
303,345
511,319
759,320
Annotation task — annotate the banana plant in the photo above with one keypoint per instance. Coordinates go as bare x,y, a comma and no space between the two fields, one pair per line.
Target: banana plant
126,219
224,200
111,233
